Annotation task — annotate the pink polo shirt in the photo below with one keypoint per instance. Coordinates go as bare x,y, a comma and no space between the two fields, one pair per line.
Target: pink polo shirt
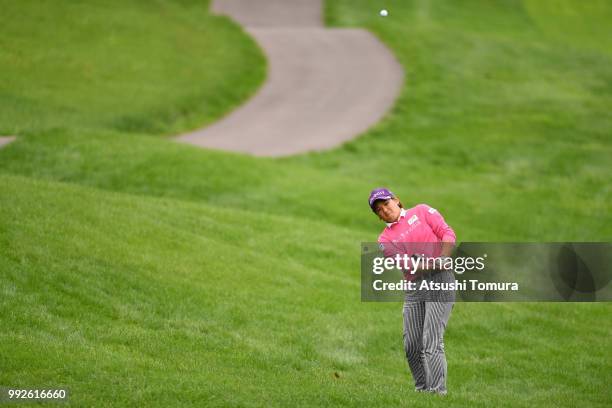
419,230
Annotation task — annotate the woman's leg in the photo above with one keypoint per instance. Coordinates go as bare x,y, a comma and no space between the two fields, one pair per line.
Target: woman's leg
436,319
414,316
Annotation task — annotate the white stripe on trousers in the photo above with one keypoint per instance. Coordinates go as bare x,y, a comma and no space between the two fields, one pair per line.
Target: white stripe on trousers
424,326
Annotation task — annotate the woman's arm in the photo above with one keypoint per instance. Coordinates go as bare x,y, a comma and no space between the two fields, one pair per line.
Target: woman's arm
441,229
439,226
447,248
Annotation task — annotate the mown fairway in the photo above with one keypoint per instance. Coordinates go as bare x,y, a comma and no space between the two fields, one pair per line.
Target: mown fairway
138,271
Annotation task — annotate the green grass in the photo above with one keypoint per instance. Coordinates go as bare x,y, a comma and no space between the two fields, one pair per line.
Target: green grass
138,271
135,66
145,301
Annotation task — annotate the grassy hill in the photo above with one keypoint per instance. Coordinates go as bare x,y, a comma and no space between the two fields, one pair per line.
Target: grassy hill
138,271
132,66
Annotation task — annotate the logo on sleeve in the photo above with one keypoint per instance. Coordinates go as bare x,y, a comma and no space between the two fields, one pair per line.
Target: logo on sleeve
431,210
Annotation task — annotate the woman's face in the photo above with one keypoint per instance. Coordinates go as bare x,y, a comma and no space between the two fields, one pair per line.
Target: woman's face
388,210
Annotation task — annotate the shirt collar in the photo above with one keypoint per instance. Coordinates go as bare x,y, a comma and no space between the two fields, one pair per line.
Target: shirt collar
402,214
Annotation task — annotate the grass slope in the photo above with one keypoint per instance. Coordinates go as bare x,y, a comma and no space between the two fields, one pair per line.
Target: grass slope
138,65
493,107
145,301
137,271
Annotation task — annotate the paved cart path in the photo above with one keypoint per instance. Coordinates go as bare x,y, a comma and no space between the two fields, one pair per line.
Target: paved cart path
4,140
324,86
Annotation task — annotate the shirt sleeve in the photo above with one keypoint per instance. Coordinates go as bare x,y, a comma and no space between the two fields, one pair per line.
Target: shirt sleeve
438,225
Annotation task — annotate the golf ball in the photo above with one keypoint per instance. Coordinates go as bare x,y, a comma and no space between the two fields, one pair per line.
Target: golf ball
384,13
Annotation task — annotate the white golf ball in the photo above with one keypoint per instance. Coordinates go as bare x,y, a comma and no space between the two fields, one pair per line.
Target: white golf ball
384,13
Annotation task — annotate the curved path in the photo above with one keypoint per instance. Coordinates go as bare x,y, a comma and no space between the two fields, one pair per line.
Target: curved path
4,140
324,86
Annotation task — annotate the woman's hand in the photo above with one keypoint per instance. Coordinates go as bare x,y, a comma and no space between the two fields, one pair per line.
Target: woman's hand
424,265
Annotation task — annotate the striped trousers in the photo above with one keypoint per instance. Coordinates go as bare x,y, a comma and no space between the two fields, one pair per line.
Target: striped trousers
425,318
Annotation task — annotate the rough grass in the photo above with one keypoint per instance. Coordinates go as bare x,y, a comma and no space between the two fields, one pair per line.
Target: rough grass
133,66
132,300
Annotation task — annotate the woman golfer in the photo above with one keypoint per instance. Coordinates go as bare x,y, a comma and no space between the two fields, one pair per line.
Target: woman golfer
422,234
